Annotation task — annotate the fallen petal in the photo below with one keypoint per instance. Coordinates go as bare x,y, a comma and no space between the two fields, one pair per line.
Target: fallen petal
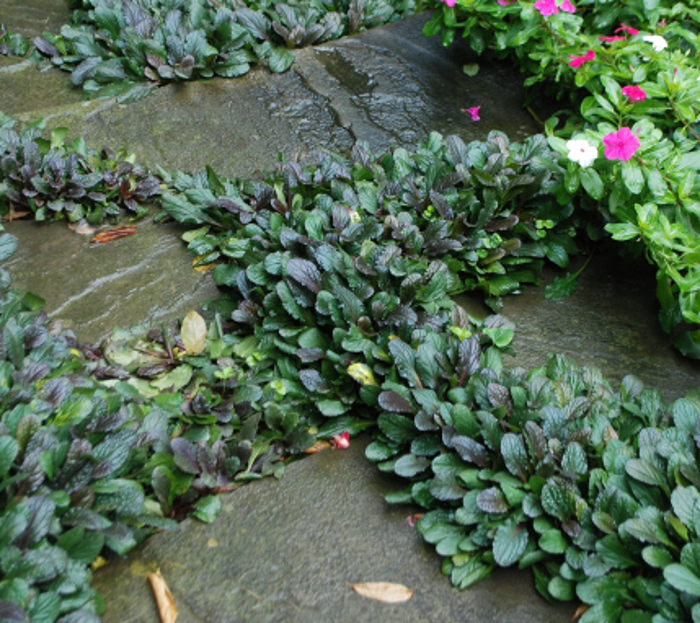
387,592
341,442
166,604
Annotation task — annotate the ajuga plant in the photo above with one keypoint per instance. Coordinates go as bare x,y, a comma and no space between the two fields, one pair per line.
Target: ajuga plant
337,313
49,179
126,48
593,488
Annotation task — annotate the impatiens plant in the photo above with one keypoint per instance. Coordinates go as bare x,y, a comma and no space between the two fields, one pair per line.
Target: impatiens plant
637,69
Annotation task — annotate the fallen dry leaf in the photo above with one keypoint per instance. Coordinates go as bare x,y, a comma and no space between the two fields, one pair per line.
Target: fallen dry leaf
166,604
194,333
387,592
13,215
82,227
204,268
580,611
114,234
320,445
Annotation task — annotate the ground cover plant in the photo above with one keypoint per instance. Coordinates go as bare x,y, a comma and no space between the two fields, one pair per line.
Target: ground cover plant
337,314
125,48
338,279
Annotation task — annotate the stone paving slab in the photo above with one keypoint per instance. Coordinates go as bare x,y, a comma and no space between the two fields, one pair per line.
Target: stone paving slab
285,552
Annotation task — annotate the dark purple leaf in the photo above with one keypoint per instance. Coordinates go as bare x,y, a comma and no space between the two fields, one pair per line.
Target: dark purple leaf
313,381
45,47
305,273
536,440
394,403
492,501
308,355
185,455
470,451
469,359
498,394
12,613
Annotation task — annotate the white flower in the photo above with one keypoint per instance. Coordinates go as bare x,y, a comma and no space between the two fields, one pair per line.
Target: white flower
657,42
580,151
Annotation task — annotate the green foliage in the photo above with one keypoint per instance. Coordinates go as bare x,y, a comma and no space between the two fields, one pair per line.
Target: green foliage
648,201
53,180
585,484
126,48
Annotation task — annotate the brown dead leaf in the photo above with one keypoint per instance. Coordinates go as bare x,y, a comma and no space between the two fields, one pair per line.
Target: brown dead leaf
114,234
166,604
13,215
388,592
319,446
580,611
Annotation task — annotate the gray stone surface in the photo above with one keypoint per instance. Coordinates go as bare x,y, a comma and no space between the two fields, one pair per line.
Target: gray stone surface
92,288
286,551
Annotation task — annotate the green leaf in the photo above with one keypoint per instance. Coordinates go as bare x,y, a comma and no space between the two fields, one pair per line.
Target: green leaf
206,509
445,487
561,287
591,182
332,408
8,245
75,409
410,465
509,543
8,451
574,460
682,579
555,501
632,176
280,60
645,472
398,428
515,455
656,556
553,542
561,589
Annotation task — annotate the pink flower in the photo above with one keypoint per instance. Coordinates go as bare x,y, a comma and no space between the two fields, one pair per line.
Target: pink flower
474,112
567,7
505,2
606,39
628,29
341,442
449,3
577,61
634,93
546,7
620,145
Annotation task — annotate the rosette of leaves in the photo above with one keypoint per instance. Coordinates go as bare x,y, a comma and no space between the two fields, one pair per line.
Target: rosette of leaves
12,44
551,470
67,447
53,180
111,48
487,210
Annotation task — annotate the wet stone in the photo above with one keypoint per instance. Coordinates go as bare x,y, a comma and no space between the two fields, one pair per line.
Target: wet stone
286,551
92,288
